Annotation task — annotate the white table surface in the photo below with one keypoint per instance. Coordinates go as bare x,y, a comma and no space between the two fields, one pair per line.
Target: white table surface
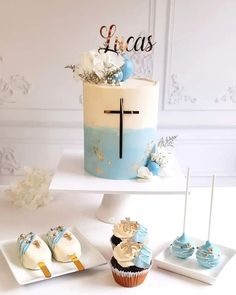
70,175
161,214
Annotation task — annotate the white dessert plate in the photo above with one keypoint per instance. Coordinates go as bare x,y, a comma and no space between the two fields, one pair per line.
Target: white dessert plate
190,268
90,258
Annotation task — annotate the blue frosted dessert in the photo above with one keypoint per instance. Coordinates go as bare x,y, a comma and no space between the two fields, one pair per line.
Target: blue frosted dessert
182,247
127,229
208,255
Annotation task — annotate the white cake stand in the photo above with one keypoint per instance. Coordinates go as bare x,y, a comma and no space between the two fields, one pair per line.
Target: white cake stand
70,175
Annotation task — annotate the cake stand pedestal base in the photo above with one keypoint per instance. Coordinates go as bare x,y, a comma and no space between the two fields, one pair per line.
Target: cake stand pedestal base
113,207
116,203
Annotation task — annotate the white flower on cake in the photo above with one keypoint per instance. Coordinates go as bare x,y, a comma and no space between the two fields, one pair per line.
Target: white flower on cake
31,192
144,173
98,67
161,157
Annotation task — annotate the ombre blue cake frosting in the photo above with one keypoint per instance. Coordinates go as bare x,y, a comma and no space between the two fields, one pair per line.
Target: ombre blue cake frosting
101,147
119,127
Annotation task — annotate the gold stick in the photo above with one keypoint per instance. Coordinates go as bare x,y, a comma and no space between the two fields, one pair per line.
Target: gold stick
76,262
44,269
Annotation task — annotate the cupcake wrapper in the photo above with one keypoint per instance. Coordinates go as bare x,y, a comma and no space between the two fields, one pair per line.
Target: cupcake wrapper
129,279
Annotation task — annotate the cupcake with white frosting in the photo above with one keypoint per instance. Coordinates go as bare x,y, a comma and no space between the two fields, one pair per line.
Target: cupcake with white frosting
128,229
130,263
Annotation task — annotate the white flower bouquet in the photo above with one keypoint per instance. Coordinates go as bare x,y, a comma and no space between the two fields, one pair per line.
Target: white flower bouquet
31,192
95,67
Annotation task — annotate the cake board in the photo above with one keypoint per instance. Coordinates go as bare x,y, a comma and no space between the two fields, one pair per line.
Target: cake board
70,175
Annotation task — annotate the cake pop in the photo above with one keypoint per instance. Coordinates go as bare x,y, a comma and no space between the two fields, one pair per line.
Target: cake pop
208,255
182,247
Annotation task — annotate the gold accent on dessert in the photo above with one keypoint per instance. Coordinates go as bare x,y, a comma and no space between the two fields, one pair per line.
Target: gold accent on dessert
98,153
44,269
99,170
67,236
36,243
128,246
129,225
76,262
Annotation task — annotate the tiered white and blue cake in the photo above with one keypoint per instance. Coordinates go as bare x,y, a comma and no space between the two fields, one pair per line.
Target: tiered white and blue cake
119,127
120,118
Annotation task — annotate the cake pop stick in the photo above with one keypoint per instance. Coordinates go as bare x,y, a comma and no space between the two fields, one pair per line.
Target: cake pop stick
208,255
211,205
186,199
182,247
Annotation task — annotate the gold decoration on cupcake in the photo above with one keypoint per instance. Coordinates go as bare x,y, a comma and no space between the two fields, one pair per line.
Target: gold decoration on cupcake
130,247
129,225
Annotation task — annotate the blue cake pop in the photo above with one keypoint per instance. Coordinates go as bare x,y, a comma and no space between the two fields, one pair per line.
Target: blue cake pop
208,255
182,247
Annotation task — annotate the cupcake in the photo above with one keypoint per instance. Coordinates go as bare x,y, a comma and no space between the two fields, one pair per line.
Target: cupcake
128,229
130,263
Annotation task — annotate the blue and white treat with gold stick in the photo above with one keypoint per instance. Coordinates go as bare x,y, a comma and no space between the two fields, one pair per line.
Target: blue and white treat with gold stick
182,247
65,246
208,255
127,229
34,253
